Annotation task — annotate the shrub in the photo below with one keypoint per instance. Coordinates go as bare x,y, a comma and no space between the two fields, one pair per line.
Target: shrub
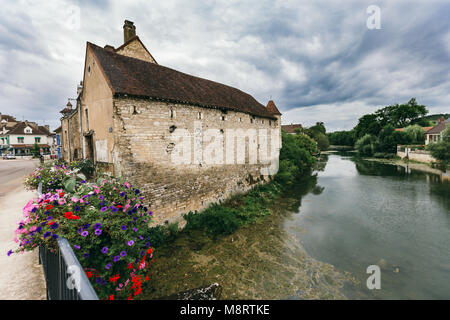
215,220
107,225
367,145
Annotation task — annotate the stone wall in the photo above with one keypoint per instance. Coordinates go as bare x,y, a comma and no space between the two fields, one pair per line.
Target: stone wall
135,49
148,133
417,155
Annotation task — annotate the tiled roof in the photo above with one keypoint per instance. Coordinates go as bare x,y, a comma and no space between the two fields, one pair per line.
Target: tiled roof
129,76
438,128
20,129
291,128
272,108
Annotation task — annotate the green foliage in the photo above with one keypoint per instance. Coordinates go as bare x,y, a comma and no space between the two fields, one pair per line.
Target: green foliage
367,145
398,116
36,152
318,134
415,133
441,150
342,138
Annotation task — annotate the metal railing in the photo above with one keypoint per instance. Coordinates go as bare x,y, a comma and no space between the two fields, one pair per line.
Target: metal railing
64,276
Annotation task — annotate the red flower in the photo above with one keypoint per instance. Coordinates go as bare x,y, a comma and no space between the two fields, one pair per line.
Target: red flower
150,251
89,274
68,215
61,194
114,279
130,266
119,206
50,223
75,218
147,278
111,297
49,207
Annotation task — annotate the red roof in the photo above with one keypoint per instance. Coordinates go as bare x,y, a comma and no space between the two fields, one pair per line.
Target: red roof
291,128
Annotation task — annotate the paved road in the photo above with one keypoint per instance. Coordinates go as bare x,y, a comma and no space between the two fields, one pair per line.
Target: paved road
21,276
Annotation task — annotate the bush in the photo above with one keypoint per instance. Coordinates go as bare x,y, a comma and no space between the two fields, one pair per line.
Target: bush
107,225
215,220
367,145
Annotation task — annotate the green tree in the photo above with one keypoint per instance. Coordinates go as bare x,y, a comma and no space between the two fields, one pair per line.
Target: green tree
367,145
36,150
415,133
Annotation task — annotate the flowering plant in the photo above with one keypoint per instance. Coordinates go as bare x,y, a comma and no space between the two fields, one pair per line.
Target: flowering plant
106,224
55,175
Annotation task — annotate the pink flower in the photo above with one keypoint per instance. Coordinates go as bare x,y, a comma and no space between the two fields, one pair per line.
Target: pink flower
62,201
74,199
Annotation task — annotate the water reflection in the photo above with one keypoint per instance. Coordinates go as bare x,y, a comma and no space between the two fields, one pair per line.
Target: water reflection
375,213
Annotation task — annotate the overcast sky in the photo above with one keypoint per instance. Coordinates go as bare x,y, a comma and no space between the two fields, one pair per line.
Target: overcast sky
317,59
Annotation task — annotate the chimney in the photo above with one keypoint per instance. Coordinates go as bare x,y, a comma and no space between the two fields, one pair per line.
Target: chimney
69,105
129,30
109,48
442,119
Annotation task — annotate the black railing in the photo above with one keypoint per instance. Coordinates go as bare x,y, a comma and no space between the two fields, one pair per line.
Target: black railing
64,276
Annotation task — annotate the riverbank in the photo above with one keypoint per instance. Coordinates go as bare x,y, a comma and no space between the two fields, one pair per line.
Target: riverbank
258,261
413,165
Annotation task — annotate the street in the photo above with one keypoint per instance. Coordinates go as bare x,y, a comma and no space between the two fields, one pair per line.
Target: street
21,276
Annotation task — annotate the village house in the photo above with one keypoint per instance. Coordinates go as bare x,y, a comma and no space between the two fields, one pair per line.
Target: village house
291,128
435,133
19,137
133,116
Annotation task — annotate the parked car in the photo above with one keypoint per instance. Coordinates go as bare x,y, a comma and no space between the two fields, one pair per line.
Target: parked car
9,156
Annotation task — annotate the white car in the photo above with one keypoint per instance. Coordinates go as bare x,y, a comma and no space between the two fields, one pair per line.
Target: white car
9,156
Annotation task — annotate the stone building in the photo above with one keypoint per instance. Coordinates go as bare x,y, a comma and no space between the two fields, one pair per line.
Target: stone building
186,141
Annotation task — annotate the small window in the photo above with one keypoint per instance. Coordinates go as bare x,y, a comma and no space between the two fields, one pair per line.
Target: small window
200,116
223,118
262,121
89,70
38,140
251,120
172,114
20,140
270,123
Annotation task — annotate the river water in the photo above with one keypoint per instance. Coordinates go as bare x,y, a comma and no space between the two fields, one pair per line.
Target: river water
322,237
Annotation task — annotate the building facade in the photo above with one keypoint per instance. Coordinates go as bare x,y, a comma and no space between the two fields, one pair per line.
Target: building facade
185,140
435,133
19,137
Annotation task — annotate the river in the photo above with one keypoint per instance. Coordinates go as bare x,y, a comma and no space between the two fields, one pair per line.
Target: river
322,237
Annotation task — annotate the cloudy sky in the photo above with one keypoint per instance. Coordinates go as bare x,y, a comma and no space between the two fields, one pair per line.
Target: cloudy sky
317,59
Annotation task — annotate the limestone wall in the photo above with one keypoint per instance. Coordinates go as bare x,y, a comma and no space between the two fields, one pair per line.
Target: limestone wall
148,133
417,155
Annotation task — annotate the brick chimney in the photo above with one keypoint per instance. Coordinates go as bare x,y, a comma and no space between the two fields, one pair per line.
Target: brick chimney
442,119
129,30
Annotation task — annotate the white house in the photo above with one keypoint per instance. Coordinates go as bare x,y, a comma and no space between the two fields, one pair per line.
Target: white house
435,133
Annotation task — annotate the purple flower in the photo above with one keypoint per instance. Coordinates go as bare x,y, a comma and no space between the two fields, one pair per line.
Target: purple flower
124,227
54,226
76,247
135,229
97,226
77,208
122,194
105,250
85,255
10,252
49,218
123,254
103,209
116,258
55,236
98,232
114,209
101,197
137,191
130,243
47,234
87,225
108,266
84,233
